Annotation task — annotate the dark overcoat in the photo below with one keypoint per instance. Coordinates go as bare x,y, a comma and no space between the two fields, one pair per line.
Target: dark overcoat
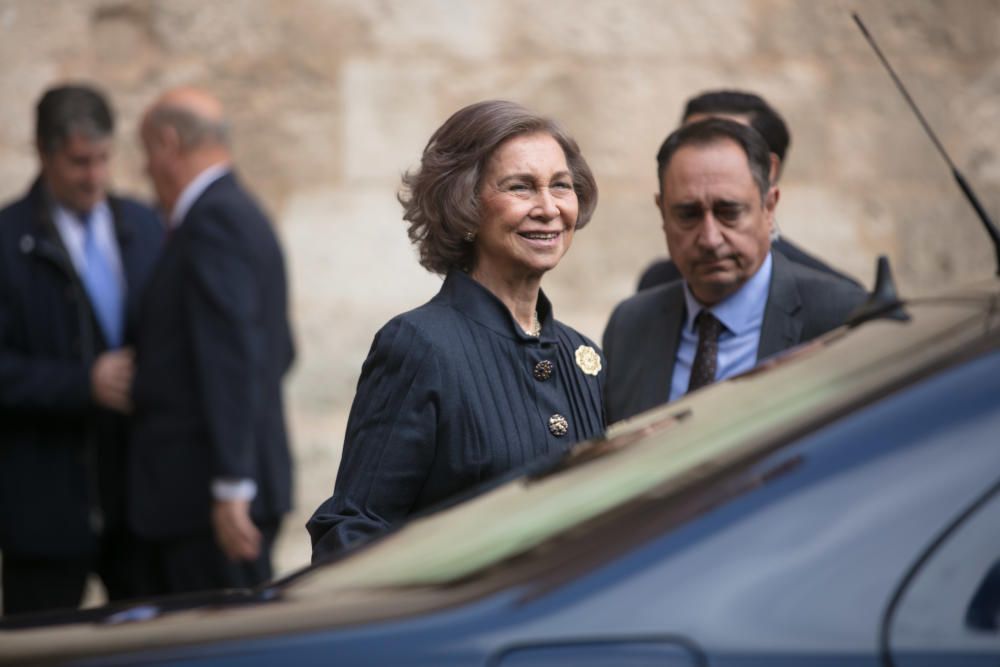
62,461
453,394
212,346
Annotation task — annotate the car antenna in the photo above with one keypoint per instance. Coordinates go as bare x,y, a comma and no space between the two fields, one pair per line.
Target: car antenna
883,302
991,228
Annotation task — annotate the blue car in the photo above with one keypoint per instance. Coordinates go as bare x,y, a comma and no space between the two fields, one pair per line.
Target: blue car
838,506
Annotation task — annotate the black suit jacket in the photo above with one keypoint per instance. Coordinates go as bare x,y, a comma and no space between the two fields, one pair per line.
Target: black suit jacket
643,333
213,345
62,459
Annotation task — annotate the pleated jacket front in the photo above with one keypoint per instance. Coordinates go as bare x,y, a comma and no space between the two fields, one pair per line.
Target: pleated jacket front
453,394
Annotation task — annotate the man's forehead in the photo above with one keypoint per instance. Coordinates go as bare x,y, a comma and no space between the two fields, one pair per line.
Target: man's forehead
715,156
86,142
709,174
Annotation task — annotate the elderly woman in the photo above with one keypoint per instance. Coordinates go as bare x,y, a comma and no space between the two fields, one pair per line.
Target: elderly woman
482,379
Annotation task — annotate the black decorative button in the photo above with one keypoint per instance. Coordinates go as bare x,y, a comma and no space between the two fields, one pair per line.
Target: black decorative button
543,370
558,425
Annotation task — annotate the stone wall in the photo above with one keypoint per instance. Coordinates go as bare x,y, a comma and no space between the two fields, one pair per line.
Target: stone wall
332,99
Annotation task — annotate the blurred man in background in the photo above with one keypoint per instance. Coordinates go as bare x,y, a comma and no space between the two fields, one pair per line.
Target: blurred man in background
73,262
210,469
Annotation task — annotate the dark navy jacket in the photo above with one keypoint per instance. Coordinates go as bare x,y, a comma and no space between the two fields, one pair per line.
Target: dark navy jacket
213,344
62,461
451,395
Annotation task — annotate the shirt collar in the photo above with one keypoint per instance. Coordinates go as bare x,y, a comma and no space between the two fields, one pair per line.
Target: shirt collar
100,211
194,189
479,304
741,311
73,234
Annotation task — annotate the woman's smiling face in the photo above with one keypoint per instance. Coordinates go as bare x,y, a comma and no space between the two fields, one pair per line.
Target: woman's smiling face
528,208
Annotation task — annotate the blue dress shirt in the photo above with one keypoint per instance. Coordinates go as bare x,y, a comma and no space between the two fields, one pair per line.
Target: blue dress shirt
741,314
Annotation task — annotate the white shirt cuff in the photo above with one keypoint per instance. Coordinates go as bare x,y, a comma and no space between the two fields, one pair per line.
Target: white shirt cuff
226,489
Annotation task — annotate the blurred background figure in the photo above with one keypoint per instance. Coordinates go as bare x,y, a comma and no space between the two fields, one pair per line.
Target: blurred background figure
73,262
483,378
738,302
748,109
210,466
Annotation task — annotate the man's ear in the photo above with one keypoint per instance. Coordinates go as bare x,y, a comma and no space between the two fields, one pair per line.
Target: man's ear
775,171
43,155
168,139
770,204
658,201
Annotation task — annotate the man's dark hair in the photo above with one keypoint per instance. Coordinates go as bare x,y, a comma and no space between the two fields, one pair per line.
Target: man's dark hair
713,130
763,117
71,109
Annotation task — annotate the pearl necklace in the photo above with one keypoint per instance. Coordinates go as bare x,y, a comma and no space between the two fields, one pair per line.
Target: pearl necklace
536,327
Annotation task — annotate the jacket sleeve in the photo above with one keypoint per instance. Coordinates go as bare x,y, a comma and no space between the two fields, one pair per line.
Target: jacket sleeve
390,443
33,384
38,384
227,336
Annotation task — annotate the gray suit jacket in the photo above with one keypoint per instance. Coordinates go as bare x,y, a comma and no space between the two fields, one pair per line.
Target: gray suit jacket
642,336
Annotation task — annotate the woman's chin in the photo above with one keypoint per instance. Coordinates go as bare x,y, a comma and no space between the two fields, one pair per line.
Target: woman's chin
539,266
545,259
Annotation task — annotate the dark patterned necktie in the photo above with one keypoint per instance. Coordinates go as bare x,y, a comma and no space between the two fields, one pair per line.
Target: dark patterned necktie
707,357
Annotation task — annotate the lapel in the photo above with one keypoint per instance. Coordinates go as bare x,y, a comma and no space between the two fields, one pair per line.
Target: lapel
222,187
659,346
123,234
135,263
48,244
176,240
782,326
168,265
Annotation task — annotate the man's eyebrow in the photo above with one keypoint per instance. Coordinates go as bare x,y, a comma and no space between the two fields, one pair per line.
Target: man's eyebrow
686,206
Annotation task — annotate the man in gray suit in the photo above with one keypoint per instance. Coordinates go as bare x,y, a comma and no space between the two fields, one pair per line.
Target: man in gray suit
738,302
